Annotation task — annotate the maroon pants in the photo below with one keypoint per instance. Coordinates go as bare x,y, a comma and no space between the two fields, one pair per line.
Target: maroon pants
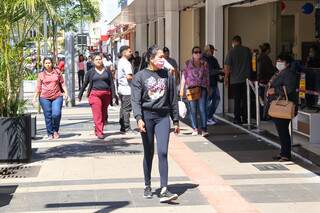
99,102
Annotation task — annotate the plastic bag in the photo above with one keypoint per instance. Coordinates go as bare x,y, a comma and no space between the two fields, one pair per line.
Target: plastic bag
182,109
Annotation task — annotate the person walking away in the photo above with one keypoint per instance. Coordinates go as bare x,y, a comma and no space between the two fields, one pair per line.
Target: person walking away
214,73
266,70
237,69
124,78
285,78
154,99
81,70
99,92
136,62
50,90
196,80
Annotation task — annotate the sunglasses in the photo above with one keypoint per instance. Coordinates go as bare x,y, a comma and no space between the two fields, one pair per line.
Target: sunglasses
197,52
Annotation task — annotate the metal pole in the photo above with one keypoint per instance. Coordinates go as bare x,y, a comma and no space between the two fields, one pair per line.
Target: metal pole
248,103
69,67
257,104
45,34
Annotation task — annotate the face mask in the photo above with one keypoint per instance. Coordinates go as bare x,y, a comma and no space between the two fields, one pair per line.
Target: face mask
160,63
281,66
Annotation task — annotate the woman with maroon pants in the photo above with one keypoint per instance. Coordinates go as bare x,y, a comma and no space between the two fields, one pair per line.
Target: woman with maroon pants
99,80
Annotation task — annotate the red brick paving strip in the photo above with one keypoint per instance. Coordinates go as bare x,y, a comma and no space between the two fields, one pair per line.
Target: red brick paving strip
219,194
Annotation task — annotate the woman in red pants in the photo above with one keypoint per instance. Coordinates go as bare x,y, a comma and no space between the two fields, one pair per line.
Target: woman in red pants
99,80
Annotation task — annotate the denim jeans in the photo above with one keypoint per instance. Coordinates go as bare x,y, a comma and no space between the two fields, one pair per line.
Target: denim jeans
213,101
52,113
200,104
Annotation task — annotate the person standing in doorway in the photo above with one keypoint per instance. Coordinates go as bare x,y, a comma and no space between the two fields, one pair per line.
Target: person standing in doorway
50,89
136,61
99,80
124,78
154,99
237,69
214,73
266,70
81,70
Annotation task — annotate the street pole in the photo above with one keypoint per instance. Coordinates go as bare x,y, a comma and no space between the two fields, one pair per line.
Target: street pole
45,34
69,67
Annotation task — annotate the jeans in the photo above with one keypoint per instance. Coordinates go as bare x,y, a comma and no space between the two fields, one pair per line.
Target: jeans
213,101
52,113
282,126
125,110
80,78
157,125
240,101
202,105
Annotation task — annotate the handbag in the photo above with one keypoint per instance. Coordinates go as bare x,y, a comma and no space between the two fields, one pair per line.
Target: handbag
182,109
283,109
193,93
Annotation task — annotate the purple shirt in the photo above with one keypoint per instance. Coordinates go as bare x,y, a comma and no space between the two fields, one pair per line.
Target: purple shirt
196,76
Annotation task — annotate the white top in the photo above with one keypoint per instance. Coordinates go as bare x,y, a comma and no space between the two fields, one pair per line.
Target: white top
124,69
106,63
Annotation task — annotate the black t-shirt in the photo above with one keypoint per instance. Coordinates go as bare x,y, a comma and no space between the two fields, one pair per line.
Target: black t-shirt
101,81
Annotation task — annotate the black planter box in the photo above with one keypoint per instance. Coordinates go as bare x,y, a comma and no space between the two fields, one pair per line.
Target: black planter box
33,127
15,139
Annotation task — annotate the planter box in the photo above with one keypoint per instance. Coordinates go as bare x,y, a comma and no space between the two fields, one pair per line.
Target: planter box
29,86
15,140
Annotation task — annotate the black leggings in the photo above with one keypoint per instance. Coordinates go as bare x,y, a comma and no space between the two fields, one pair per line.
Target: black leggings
80,78
156,125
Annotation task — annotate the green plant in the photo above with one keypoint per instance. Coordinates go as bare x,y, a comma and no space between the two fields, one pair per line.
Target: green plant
31,76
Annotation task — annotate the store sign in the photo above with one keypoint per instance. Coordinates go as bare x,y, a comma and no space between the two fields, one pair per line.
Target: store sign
302,86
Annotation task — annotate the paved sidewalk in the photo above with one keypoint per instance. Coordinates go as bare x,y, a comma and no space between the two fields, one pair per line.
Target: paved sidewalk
227,172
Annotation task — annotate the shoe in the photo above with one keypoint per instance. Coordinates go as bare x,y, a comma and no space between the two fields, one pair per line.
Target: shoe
194,132
277,158
237,122
284,159
47,137
167,196
205,134
56,135
101,137
147,192
211,122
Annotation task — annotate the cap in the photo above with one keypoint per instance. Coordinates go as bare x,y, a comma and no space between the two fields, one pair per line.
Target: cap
212,47
166,49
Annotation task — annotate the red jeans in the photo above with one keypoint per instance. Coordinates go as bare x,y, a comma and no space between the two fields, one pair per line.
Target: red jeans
99,101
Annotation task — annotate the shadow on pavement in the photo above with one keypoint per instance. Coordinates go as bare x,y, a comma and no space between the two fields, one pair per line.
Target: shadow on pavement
6,194
96,147
110,205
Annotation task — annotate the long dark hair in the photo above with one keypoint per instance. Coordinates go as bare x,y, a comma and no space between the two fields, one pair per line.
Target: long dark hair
47,59
81,56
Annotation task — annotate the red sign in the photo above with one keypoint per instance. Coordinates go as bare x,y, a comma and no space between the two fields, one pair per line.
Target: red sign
104,37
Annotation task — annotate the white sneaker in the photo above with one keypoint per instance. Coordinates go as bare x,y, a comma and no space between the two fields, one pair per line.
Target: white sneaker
211,122
47,137
194,132
204,134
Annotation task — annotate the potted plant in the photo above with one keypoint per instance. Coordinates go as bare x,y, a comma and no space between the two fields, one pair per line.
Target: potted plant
17,18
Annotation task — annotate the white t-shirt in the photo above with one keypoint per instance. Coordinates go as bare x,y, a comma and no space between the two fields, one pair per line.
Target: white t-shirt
124,69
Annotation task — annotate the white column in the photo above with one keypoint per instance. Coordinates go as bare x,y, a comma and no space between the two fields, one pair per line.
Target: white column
172,27
152,33
160,31
141,37
214,35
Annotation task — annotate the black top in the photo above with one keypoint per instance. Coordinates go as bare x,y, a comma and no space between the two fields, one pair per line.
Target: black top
289,79
213,67
96,81
154,91
265,68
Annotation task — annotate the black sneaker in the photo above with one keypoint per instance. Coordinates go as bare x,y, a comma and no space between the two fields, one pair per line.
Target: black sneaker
147,192
167,197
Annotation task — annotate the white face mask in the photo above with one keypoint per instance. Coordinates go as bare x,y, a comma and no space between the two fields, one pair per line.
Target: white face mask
281,65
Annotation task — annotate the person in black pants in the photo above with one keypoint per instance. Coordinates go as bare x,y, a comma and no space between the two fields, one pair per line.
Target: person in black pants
81,70
237,69
284,79
154,98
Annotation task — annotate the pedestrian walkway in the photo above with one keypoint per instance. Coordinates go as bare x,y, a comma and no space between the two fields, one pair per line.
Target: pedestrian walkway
230,171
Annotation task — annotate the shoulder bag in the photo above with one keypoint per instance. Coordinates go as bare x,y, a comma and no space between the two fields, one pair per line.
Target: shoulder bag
283,109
